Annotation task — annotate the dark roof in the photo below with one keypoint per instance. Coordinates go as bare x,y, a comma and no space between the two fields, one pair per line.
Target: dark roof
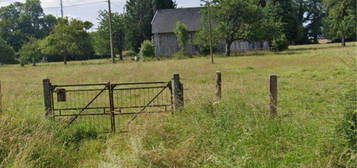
165,19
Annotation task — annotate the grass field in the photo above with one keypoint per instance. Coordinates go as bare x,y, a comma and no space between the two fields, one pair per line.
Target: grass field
237,132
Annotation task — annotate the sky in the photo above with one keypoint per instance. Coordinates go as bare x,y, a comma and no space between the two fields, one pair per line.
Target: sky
88,9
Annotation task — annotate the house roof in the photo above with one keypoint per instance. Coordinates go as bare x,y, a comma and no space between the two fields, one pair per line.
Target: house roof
165,20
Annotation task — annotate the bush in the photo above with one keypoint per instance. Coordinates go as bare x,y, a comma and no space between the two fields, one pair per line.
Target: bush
7,53
147,49
279,44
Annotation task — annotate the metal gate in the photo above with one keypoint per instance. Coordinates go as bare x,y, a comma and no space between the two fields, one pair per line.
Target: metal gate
106,106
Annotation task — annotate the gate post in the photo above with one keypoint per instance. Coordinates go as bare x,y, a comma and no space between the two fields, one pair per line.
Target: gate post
0,99
47,91
273,95
178,92
112,108
219,85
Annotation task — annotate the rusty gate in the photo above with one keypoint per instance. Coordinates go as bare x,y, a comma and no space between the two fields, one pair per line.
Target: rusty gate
106,106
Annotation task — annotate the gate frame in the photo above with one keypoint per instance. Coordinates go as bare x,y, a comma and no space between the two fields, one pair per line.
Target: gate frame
176,96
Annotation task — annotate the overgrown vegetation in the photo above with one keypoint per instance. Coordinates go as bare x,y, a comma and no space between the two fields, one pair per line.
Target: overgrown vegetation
147,49
182,36
314,127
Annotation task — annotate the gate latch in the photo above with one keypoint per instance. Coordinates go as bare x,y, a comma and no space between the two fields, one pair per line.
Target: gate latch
61,95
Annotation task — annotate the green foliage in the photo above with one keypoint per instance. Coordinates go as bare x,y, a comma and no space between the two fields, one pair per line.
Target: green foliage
18,21
68,39
147,49
182,35
340,22
30,52
75,135
100,38
236,19
163,4
279,44
7,54
202,37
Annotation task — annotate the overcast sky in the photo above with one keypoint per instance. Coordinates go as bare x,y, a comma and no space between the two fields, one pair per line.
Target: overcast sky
88,9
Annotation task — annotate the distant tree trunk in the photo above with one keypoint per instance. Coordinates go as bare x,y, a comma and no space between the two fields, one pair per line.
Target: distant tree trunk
33,62
343,41
228,47
65,59
316,40
121,55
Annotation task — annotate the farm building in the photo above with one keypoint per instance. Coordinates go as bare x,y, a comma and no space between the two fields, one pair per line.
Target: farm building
163,25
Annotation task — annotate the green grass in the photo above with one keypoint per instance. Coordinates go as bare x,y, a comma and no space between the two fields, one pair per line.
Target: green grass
237,132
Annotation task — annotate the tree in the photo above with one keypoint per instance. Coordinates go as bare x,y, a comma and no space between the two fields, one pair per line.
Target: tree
341,19
101,38
68,39
235,19
182,35
163,4
314,19
19,21
30,52
140,14
7,54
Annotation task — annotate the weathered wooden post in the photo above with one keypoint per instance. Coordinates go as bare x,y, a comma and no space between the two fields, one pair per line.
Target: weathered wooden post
0,99
112,108
47,89
178,92
273,95
219,85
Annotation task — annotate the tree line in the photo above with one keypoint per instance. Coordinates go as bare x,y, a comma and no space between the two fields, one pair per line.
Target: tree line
28,35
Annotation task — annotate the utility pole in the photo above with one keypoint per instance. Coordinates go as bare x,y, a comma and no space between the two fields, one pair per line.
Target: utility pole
210,31
111,32
61,1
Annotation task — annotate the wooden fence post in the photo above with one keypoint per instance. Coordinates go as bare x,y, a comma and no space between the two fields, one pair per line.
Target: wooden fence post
273,95
47,96
0,99
178,92
219,85
112,108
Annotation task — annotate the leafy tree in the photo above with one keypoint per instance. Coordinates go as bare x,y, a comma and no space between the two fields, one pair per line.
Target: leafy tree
163,4
7,54
140,14
19,21
182,35
147,49
314,18
341,19
30,52
235,19
68,39
101,38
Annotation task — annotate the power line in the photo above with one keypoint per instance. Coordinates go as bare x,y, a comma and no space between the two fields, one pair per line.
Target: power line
74,5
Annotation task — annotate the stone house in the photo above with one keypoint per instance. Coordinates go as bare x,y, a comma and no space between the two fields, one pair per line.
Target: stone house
164,39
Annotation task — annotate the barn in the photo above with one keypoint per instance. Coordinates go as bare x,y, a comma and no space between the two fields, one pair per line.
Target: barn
164,39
